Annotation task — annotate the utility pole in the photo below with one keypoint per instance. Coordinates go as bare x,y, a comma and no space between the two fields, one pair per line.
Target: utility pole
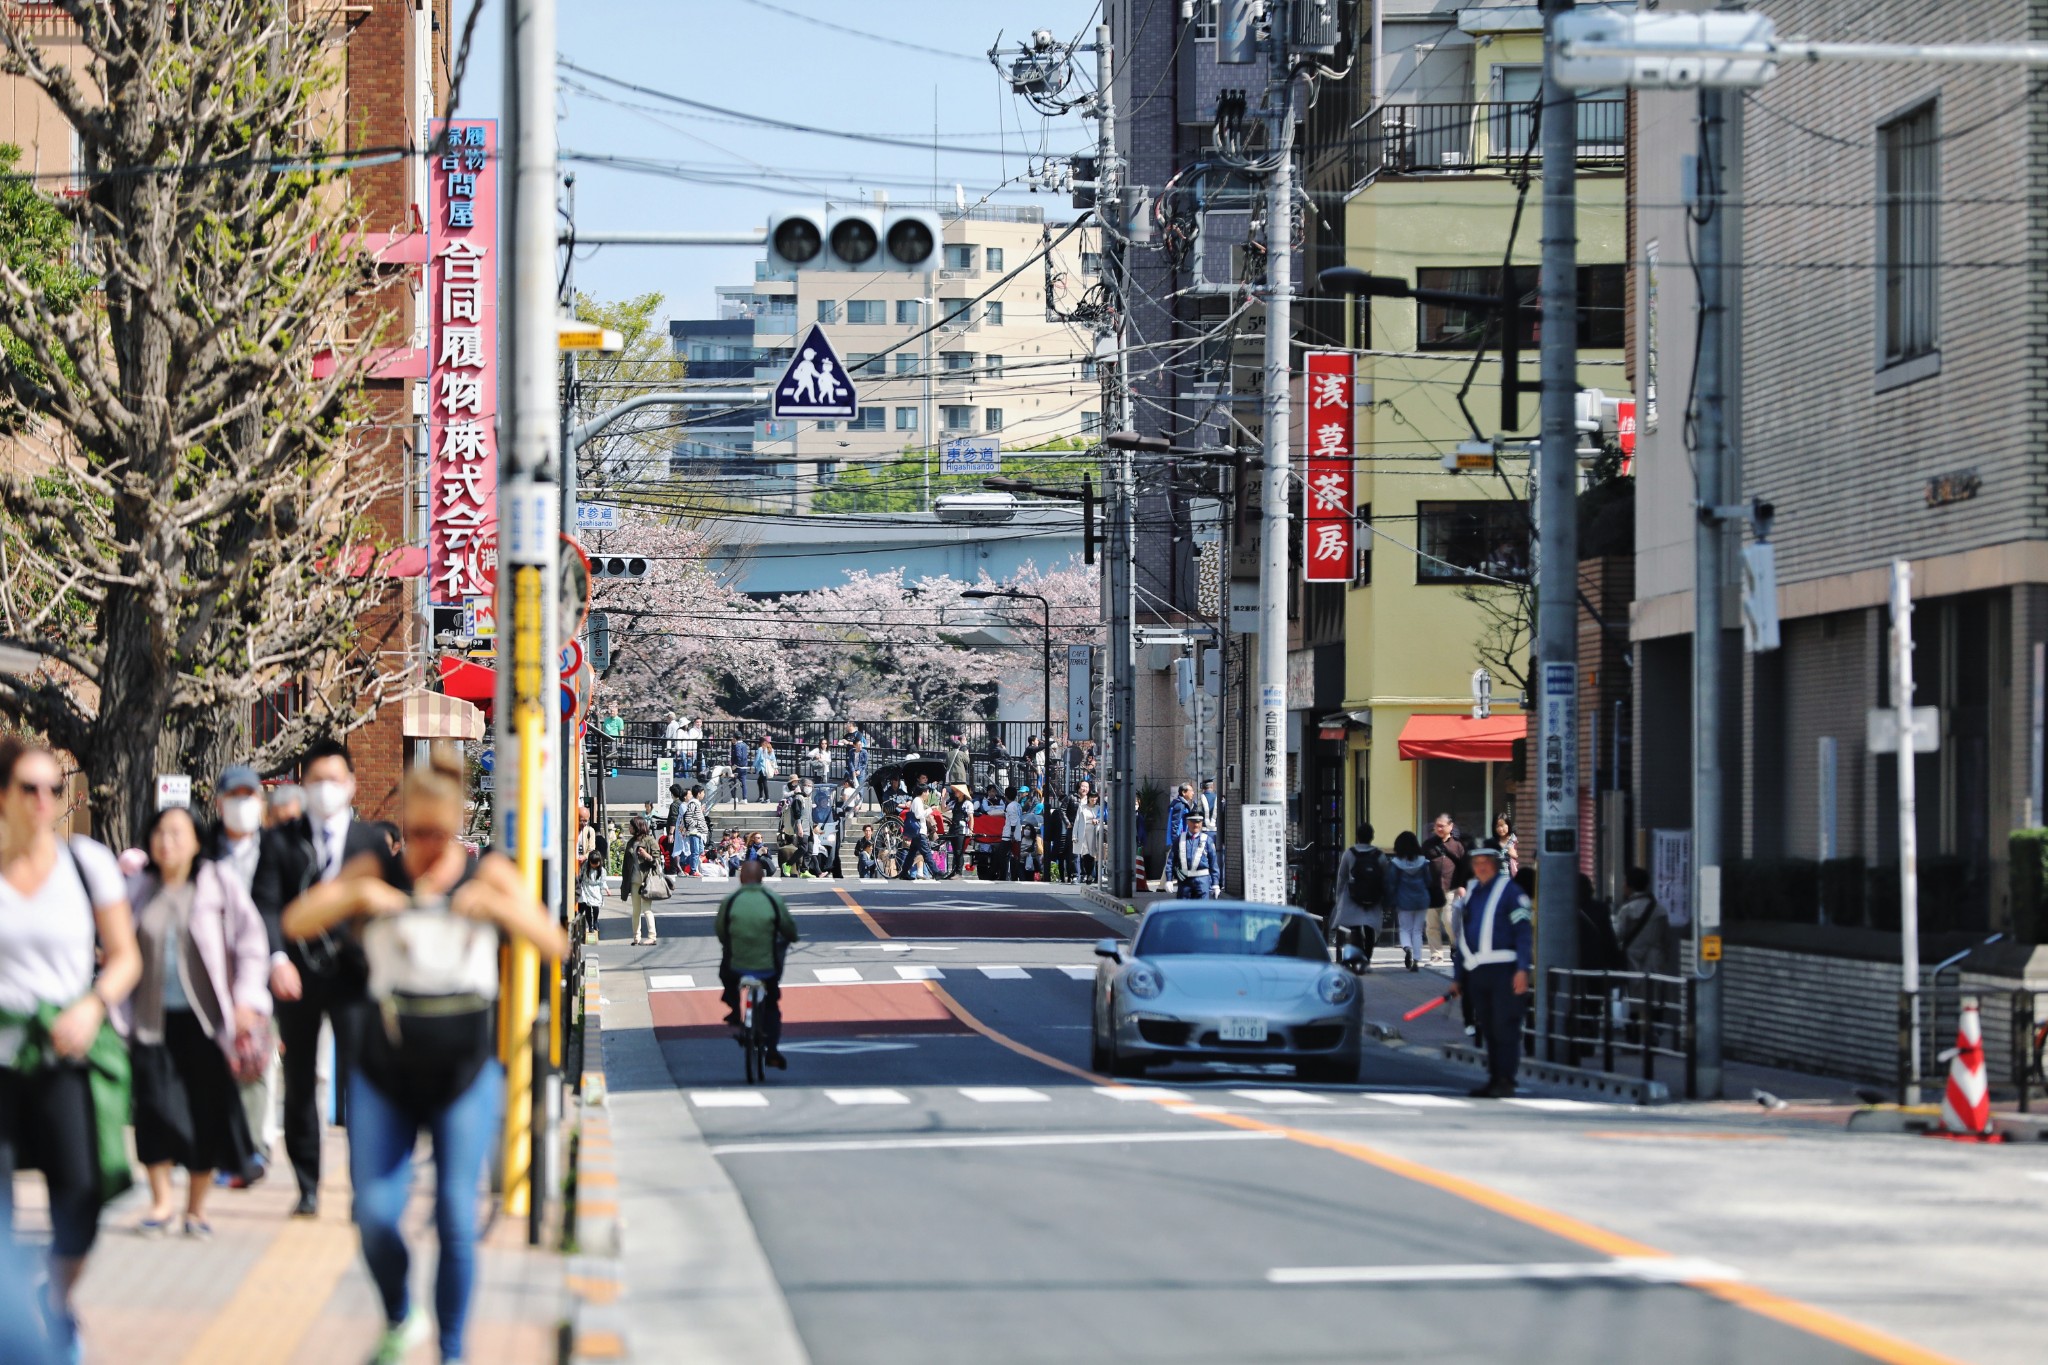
1709,466
1557,578
1268,785
1909,826
1119,776
571,751
529,520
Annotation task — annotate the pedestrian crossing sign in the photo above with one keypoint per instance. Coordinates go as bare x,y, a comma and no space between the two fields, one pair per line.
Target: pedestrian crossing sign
815,383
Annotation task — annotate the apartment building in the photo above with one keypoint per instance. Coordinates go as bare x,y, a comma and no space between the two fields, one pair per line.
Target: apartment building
1440,584
1889,349
1010,368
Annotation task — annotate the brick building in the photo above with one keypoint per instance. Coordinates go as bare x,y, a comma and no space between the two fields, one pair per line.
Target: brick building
1890,347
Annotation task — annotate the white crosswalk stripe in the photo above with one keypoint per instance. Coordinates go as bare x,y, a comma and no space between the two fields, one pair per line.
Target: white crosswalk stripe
728,1099
1005,973
867,1096
836,976
1556,1106
917,973
1419,1101
675,982
1080,973
1140,1092
1282,1096
1003,1094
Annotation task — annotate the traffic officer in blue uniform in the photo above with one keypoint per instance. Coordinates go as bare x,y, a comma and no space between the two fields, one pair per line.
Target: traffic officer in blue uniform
1196,871
1495,940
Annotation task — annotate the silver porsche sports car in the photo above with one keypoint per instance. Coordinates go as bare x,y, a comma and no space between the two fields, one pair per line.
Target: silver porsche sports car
1206,981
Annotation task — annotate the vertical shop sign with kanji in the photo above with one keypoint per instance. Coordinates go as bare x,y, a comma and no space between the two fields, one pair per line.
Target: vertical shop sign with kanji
1328,530
462,395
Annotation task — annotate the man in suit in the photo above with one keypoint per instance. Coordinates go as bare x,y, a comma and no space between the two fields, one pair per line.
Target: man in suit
320,977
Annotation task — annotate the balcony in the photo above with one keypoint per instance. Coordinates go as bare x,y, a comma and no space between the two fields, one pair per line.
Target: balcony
1478,135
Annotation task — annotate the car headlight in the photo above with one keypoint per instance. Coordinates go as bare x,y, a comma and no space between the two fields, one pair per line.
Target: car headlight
1142,981
1336,988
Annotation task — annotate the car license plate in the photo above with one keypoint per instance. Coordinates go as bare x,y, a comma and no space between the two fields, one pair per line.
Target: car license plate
1242,1031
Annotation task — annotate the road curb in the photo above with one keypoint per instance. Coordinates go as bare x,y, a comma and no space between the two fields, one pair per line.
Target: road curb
1102,900
592,1277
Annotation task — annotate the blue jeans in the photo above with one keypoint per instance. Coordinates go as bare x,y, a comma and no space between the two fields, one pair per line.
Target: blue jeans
381,1137
692,853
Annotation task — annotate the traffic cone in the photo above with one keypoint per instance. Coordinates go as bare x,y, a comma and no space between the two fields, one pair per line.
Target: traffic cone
1139,861
1966,1104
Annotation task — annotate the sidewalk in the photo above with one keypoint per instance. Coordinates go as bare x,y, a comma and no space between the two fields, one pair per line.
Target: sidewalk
269,1288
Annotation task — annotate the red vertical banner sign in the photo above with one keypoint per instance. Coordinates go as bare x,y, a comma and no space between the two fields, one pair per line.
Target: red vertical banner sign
462,397
1329,530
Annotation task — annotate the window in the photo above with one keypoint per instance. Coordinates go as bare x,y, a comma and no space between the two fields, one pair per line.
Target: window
906,363
906,312
956,310
1204,21
1361,540
1908,235
995,258
1091,263
828,310
1441,327
1091,422
864,312
1464,542
959,257
992,364
991,419
994,314
957,418
1090,367
959,362
863,363
906,419
869,419
828,426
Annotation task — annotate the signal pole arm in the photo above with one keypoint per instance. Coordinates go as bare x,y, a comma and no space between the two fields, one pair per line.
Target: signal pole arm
579,436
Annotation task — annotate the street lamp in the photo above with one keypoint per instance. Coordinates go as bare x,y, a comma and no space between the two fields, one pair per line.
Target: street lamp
983,594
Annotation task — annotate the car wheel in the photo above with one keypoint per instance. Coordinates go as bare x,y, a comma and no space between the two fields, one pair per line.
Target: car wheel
1120,1065
1098,1055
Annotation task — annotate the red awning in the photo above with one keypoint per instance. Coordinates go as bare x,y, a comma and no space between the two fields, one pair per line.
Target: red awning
1460,737
471,682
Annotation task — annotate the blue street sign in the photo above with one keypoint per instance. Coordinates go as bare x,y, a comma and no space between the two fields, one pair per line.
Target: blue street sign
487,760
815,384
971,457
594,518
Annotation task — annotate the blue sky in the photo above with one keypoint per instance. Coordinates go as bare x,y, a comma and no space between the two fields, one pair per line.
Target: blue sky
754,57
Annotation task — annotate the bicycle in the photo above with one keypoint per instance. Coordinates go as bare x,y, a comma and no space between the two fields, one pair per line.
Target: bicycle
753,1042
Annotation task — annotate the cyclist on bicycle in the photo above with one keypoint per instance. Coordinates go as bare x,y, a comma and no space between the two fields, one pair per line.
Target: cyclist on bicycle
755,929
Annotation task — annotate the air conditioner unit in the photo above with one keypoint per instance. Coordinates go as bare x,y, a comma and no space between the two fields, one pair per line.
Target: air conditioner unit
946,274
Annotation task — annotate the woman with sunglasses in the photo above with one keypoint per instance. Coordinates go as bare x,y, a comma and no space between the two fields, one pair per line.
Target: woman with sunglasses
430,918
58,899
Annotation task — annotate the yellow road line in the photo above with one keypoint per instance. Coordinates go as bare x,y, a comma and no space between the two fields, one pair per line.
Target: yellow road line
281,1296
865,917
1805,1317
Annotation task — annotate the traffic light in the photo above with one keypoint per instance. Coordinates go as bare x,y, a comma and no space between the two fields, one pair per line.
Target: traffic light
853,239
632,567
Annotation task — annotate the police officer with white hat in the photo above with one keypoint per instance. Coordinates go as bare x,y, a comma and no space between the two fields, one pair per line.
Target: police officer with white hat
1495,943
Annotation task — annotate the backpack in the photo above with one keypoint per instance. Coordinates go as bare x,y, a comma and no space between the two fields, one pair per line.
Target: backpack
1368,877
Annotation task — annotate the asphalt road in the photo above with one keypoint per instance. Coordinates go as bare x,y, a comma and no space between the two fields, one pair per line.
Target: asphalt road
938,1178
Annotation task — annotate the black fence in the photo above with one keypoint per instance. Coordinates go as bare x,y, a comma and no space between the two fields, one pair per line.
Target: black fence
642,743
1602,1018
1402,139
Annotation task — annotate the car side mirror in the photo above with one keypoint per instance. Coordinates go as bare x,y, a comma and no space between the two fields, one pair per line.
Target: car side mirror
1110,948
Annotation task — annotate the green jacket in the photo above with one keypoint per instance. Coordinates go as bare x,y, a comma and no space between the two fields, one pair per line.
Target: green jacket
749,921
109,1082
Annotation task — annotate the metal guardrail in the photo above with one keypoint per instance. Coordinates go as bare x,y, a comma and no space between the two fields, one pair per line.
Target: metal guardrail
642,742
1600,1014
2010,1011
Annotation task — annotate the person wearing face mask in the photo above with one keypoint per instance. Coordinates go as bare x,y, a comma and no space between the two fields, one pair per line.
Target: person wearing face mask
235,843
321,977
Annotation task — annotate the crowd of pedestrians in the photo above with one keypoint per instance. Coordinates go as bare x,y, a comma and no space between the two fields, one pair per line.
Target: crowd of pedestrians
184,987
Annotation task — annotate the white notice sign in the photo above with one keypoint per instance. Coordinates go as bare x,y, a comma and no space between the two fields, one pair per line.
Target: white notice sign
1262,841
